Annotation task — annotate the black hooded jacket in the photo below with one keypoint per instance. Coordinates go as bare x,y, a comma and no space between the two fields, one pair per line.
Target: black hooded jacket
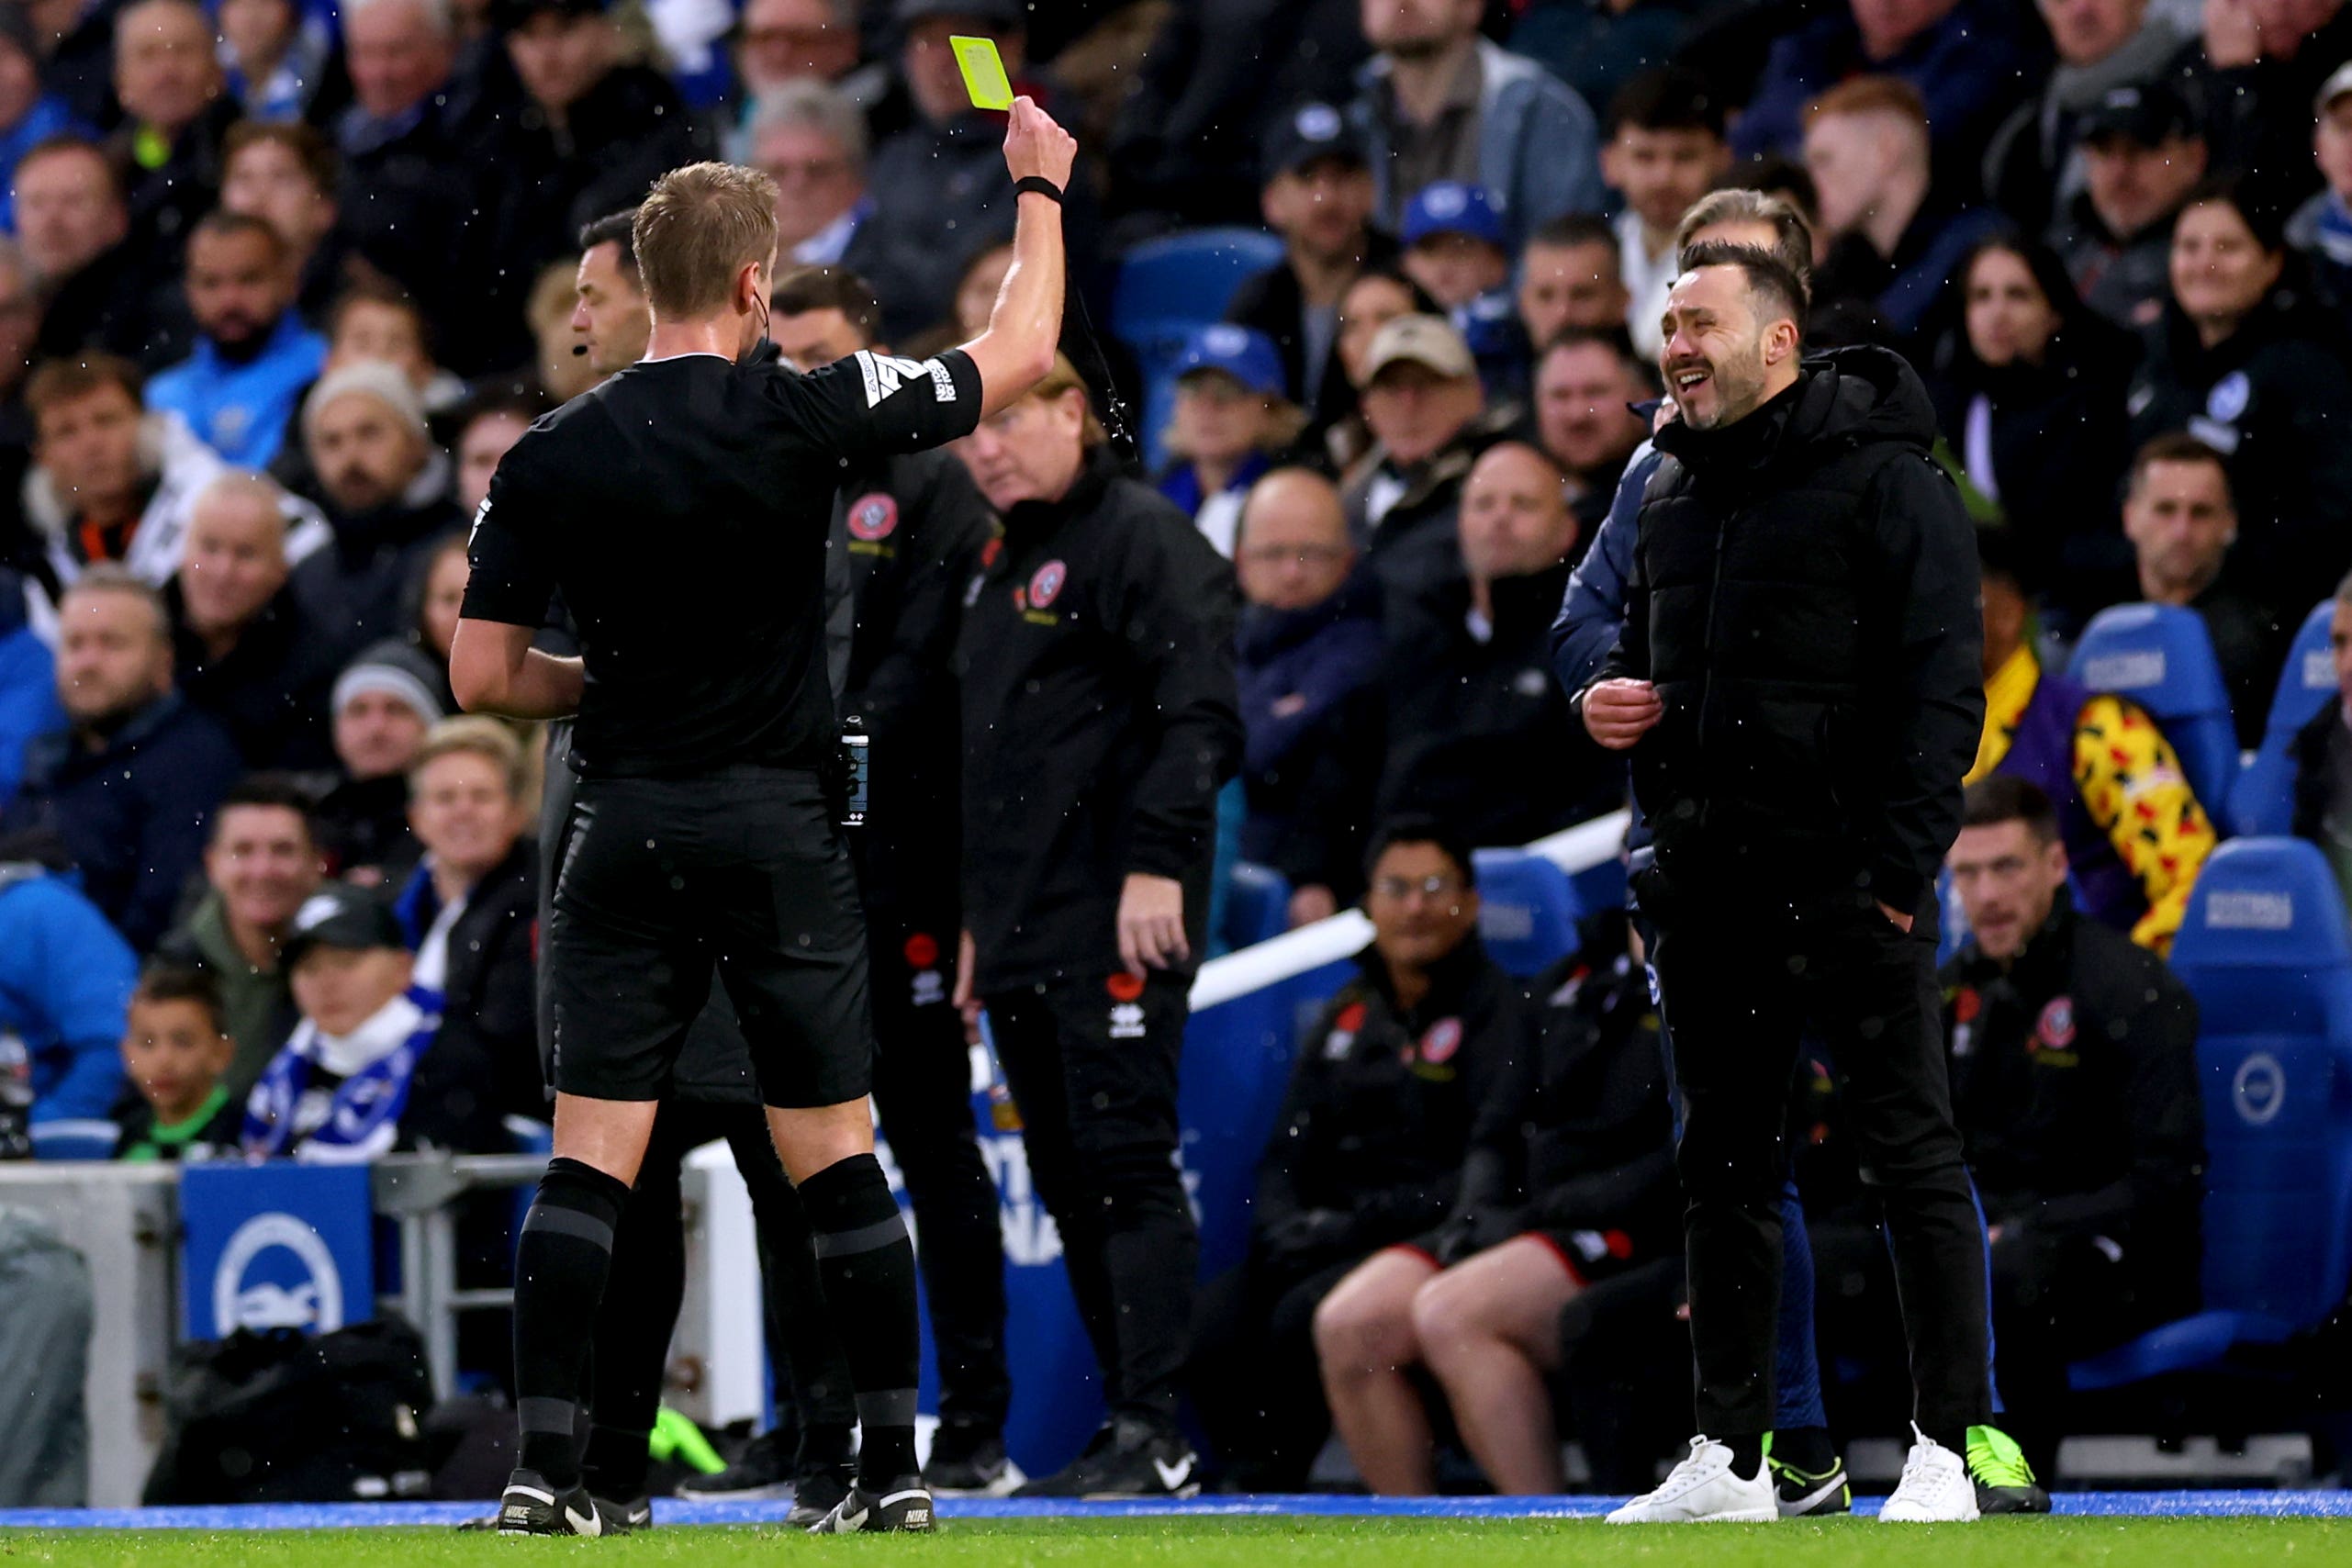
1368,1151
1804,596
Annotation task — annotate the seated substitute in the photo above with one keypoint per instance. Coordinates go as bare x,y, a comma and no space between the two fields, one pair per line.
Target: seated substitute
1368,1151
2074,1083
1568,1182
176,1051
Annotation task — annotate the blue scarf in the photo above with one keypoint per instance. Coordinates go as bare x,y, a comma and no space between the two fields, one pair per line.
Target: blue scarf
2335,231
364,1120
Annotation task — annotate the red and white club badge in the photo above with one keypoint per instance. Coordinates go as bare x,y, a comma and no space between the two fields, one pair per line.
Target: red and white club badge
873,517
1046,583
2055,1031
1443,1039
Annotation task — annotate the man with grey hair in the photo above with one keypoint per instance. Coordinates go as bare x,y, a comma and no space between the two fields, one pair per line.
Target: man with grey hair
403,142
246,651
384,490
811,141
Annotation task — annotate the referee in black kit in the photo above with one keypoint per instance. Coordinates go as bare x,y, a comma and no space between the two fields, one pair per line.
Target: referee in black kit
682,508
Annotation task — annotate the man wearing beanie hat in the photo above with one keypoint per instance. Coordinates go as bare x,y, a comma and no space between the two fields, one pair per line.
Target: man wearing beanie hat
385,702
363,431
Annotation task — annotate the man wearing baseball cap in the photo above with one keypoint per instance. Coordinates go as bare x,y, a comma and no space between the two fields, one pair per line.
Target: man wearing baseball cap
2143,149
1427,413
1318,195
2321,227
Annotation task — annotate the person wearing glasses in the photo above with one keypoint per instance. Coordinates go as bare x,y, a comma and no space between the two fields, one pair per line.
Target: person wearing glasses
1363,1166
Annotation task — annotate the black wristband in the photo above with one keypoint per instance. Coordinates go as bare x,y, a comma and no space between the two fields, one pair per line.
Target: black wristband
1040,184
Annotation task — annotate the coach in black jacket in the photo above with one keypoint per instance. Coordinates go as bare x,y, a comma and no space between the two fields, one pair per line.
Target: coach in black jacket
1798,683
1100,719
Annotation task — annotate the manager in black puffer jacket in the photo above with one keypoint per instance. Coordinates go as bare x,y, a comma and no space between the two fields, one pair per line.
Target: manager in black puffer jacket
1799,682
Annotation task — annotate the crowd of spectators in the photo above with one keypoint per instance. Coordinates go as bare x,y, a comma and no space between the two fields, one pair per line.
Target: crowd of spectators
280,280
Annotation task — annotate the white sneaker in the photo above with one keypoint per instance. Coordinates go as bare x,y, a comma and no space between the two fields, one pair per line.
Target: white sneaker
1935,1488
1702,1489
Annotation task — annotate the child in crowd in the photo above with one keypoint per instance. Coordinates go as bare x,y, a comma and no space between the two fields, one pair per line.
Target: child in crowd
1454,248
355,1080
176,1051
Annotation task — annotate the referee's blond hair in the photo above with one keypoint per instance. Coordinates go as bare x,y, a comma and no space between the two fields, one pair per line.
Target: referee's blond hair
698,227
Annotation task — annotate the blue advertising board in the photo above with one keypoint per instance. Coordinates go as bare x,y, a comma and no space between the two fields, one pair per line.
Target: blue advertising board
275,1246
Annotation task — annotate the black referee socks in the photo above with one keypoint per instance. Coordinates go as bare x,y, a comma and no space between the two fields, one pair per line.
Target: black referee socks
560,1265
867,1265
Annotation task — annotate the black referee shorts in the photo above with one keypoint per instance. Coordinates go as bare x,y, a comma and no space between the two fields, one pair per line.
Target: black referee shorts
665,878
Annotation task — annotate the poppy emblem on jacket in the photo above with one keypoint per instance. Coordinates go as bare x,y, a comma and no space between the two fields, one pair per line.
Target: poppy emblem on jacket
1966,1004
873,517
1046,584
992,550
1443,1039
2055,1031
922,950
1123,986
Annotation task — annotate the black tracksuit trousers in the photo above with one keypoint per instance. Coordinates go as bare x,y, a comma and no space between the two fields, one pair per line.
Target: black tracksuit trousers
1092,1065
1738,987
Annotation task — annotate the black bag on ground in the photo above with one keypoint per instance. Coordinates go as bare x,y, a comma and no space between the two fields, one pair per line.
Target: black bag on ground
280,1416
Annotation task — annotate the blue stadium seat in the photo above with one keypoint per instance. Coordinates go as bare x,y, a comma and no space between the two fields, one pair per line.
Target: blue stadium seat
2159,655
1257,904
2263,798
2265,949
1527,909
1167,287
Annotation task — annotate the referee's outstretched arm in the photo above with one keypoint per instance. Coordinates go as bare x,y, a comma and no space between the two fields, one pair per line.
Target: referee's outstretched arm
1017,350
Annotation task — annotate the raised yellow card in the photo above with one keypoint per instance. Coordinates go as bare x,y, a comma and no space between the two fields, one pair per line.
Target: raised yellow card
983,69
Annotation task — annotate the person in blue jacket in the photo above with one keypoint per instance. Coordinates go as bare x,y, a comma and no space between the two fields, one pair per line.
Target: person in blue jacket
255,358
28,113
29,705
65,981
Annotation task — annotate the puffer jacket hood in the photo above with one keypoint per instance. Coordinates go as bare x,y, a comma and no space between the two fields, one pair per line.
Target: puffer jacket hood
1844,399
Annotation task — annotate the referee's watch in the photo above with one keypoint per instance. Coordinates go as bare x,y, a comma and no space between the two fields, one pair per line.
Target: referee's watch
1040,186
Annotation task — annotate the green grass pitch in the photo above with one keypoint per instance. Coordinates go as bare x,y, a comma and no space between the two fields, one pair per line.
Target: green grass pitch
1264,1544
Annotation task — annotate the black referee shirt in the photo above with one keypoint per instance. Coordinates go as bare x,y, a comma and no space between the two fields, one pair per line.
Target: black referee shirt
682,509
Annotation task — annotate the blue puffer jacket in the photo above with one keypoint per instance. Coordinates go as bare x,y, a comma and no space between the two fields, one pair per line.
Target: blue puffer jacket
65,979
